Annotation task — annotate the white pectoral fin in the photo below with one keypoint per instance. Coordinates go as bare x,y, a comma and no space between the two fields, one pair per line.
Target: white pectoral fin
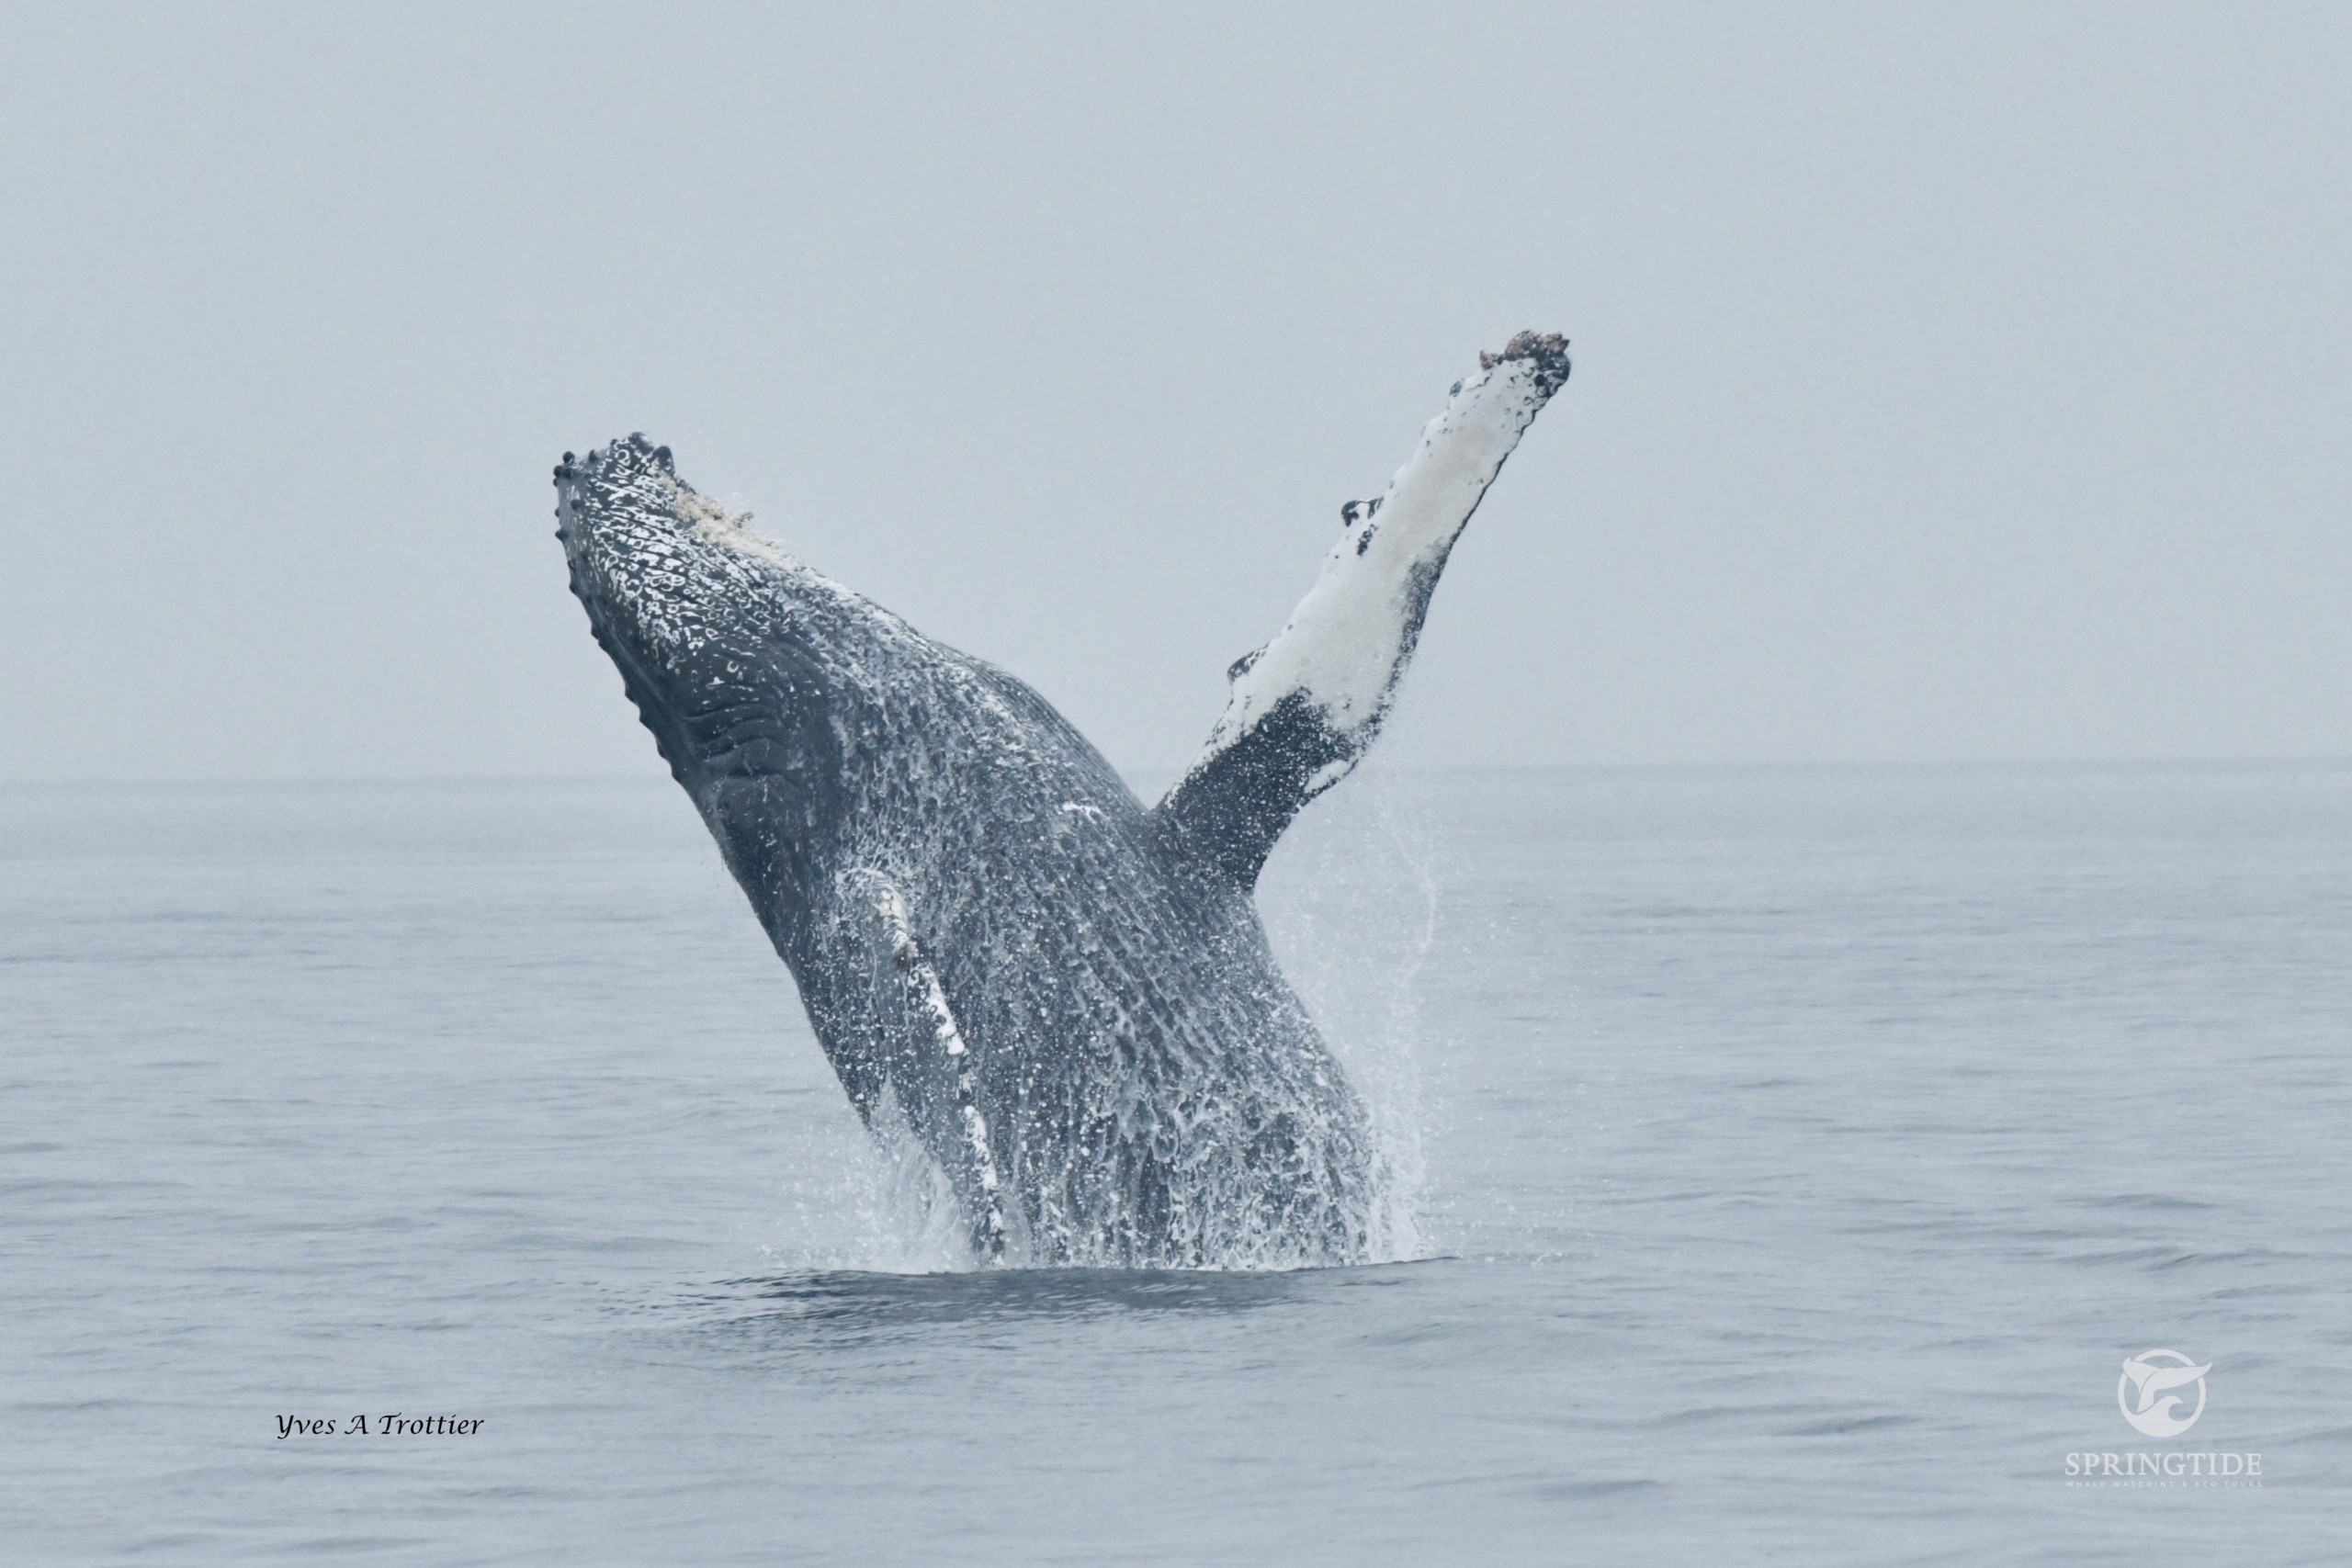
934,1055
1306,706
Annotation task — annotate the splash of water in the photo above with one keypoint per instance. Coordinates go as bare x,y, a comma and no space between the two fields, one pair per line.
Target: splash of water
1350,903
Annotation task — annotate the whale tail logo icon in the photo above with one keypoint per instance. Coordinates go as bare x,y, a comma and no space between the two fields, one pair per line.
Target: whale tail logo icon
2143,1394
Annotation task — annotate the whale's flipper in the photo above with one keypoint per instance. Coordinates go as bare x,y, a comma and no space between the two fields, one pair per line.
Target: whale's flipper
1307,706
883,928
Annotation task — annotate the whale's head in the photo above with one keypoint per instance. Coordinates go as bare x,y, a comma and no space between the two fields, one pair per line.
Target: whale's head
710,624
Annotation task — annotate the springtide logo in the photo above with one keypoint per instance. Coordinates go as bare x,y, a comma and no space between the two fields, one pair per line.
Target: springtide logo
2140,1393
2151,1394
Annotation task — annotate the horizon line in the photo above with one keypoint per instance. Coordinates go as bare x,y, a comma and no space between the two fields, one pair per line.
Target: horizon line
421,780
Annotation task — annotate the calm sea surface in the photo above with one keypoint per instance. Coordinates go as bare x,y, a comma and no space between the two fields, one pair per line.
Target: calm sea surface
1801,1155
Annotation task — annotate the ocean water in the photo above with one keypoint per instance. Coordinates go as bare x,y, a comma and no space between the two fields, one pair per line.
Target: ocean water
1797,1156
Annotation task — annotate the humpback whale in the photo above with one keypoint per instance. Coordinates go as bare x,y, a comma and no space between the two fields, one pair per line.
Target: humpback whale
1064,999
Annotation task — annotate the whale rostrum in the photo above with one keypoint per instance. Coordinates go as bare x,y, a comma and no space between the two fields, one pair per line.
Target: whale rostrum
1065,999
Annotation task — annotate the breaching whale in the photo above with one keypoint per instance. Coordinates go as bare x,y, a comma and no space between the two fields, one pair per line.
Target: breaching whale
1065,999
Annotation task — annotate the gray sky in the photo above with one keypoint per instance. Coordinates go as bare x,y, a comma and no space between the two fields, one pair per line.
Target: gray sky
1953,382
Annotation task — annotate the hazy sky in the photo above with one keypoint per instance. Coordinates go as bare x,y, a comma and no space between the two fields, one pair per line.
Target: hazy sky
1953,382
